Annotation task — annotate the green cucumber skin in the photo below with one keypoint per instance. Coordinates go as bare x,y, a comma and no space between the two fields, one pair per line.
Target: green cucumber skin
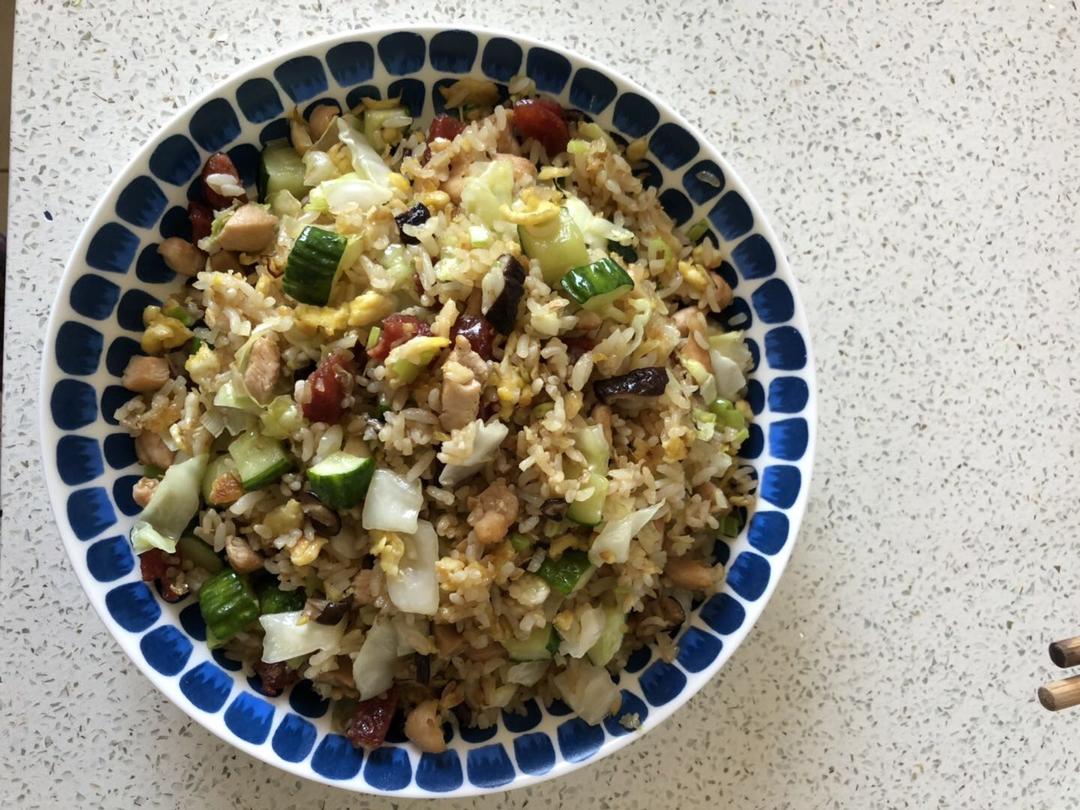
227,604
274,600
564,573
312,265
596,284
343,489
259,460
556,249
537,647
280,169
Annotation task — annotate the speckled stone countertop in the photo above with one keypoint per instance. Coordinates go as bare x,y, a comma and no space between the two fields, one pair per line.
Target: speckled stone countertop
921,162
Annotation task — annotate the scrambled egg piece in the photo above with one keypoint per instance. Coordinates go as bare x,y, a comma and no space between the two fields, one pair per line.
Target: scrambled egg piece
305,551
534,210
285,518
366,309
389,548
162,332
203,366
399,182
695,276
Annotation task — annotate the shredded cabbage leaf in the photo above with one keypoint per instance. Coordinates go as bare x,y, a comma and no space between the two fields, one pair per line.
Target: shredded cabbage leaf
366,161
415,586
588,690
484,193
392,504
373,669
485,444
347,192
596,230
287,638
612,545
172,506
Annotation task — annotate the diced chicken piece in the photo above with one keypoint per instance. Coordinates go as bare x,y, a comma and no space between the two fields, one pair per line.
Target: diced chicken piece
263,368
464,375
181,256
250,230
692,325
146,374
225,260
366,587
495,512
143,491
241,556
225,490
694,575
459,170
152,450
422,726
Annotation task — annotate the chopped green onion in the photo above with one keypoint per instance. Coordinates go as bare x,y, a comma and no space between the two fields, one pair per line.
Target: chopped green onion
566,573
195,344
696,232
181,314
373,337
659,249
577,146
227,605
382,407
520,543
730,525
199,554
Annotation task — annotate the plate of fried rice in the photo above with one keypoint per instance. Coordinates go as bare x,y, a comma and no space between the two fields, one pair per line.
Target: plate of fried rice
458,414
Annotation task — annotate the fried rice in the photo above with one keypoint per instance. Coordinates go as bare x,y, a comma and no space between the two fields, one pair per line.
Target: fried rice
484,486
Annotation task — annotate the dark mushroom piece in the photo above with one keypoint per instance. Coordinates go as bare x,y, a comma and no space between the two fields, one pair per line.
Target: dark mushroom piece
641,382
554,508
320,514
334,612
503,312
423,668
417,215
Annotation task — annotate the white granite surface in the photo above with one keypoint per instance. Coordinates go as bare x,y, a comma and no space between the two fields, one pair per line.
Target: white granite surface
922,163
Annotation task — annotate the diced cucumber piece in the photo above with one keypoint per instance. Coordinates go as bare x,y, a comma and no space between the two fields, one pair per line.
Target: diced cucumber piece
593,445
375,121
590,511
536,647
259,459
199,554
313,265
274,600
557,245
566,573
280,169
341,479
595,285
215,469
611,637
227,605
520,543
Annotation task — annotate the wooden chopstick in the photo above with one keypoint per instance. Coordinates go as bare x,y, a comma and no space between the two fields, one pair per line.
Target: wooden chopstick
1063,694
1066,653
